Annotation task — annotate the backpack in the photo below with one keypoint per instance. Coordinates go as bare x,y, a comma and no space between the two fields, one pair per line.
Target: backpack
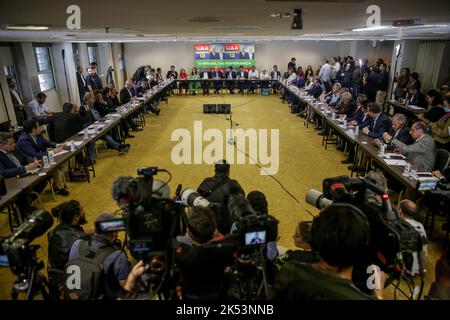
60,241
92,274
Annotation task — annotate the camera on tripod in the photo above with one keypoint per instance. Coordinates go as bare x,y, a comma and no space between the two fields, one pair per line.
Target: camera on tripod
392,240
18,252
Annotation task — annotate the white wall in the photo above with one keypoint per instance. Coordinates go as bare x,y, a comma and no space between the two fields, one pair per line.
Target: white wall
181,54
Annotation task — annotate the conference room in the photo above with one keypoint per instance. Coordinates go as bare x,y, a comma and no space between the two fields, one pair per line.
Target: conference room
232,151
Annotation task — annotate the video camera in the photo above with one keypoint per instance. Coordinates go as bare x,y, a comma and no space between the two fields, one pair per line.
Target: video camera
19,254
392,240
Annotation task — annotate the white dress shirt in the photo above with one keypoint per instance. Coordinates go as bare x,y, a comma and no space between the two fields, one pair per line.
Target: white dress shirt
253,74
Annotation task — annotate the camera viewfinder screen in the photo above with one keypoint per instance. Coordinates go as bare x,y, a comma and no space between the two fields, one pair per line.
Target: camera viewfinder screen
255,238
112,225
427,185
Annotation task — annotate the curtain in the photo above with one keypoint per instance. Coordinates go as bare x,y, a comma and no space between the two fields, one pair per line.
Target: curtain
429,60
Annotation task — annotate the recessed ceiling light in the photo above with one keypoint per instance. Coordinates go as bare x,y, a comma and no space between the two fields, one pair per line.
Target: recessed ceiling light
27,28
372,28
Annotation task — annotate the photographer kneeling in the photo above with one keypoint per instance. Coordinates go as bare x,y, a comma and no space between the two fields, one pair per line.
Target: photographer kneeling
339,234
201,264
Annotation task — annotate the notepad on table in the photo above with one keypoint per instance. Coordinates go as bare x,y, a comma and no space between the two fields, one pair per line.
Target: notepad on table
394,162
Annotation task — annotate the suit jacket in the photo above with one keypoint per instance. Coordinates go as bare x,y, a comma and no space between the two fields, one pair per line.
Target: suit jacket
8,169
417,100
380,126
172,74
64,125
233,75
81,83
315,91
213,74
402,135
87,117
274,75
365,122
94,81
422,153
31,148
203,73
348,109
125,96
245,75
357,115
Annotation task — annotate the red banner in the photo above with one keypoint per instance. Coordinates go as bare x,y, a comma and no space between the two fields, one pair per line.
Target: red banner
202,47
232,47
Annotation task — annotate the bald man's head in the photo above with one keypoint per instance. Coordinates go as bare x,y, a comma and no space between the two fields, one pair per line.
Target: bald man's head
407,209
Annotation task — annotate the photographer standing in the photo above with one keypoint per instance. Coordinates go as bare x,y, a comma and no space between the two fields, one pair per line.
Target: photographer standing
216,189
71,216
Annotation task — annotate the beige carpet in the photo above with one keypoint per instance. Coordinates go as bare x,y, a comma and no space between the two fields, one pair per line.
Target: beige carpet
303,163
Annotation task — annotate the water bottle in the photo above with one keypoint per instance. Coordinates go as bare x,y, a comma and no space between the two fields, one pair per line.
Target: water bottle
86,135
51,159
333,116
407,169
356,130
72,145
381,151
345,123
45,161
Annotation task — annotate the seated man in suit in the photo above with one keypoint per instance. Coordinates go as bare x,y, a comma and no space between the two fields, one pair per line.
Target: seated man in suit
217,75
32,144
415,97
19,106
347,105
379,123
399,131
253,74
333,98
422,153
126,95
275,75
316,90
205,75
13,164
242,75
37,109
361,110
230,75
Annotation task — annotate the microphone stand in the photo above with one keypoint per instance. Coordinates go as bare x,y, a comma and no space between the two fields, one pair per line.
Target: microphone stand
232,123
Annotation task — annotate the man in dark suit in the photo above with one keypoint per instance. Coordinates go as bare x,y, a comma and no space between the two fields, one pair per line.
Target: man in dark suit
399,131
13,164
66,124
379,124
361,109
316,90
275,75
415,98
18,104
230,75
172,74
81,82
93,81
242,75
205,75
217,75
126,94
32,144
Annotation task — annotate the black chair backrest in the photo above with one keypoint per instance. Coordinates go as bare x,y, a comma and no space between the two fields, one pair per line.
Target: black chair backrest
442,159
4,126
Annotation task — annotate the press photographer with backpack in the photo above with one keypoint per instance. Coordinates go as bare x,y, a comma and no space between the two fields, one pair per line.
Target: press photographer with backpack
71,216
102,264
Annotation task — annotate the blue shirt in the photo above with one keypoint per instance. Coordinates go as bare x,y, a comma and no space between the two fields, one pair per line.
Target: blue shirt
118,257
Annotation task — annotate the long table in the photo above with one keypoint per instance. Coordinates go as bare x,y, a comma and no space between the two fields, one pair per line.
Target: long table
412,112
16,185
362,142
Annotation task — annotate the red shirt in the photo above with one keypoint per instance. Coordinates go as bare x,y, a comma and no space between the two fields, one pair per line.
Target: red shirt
183,75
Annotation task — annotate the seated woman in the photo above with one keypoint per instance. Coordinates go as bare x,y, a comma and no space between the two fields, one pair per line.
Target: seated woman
194,85
183,76
435,108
